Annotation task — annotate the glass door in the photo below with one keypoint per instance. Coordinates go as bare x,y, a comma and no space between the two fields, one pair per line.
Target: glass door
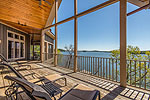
49,51
16,49
10,49
21,49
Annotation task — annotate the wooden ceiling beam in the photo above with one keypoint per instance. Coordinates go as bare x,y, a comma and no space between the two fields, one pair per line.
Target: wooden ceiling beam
100,6
139,9
52,14
139,3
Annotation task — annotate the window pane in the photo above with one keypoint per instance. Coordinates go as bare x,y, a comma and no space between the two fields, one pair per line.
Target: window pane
66,34
10,35
98,31
37,52
21,49
45,47
21,38
87,4
10,49
16,49
50,51
49,48
16,36
66,9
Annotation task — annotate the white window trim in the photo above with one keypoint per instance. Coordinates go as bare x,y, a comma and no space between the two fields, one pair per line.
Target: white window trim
15,40
47,42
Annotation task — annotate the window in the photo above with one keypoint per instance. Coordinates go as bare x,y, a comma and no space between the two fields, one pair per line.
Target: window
16,36
21,38
16,46
10,35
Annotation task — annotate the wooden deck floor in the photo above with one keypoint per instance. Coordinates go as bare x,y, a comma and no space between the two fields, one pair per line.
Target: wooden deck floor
109,90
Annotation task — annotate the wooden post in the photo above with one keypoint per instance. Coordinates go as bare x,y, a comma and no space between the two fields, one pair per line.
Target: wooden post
75,35
123,16
47,53
33,46
56,8
52,50
42,46
33,51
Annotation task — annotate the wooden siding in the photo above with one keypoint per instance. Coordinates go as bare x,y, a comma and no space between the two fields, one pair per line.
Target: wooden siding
3,37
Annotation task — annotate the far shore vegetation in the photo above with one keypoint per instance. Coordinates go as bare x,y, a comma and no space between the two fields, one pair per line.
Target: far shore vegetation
141,52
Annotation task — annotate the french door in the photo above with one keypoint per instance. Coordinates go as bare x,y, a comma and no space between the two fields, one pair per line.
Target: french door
16,46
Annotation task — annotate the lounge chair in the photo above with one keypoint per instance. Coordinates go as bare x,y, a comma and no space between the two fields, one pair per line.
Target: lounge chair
18,64
52,78
36,92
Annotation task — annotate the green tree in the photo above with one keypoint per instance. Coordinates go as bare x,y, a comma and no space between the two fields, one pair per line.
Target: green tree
60,56
137,65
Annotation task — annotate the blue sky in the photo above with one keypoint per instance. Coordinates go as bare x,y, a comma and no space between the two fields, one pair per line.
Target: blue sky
100,30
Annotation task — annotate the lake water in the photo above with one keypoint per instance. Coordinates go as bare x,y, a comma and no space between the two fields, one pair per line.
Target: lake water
91,64
93,54
97,66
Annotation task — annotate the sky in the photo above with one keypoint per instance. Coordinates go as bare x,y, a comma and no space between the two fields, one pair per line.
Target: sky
99,30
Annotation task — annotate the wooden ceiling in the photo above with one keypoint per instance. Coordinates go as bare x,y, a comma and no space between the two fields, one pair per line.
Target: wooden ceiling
25,12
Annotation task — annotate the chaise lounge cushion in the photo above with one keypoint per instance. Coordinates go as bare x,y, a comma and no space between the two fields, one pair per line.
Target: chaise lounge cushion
70,97
80,92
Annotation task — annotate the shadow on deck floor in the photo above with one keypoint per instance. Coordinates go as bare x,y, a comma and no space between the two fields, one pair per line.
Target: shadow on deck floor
109,90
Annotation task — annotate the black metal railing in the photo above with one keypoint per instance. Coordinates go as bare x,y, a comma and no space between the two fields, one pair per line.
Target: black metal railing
138,72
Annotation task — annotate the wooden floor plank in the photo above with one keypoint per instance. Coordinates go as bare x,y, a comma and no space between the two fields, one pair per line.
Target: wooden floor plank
109,90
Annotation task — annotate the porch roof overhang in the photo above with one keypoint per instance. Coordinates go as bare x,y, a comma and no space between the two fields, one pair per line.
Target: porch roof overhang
50,34
26,15
31,17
